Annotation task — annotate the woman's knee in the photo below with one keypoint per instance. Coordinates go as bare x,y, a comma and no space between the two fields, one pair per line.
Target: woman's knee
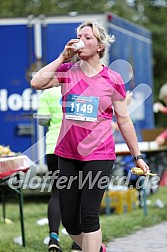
71,225
90,222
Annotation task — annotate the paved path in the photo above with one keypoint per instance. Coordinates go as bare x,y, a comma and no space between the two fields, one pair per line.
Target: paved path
152,239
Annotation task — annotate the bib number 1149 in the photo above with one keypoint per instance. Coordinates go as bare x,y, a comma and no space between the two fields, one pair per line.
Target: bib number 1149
84,108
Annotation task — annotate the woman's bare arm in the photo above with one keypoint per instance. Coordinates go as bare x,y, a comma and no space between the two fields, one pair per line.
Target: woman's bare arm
45,77
128,132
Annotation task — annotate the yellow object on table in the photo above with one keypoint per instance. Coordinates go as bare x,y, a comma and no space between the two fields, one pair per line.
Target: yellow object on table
121,201
6,151
132,199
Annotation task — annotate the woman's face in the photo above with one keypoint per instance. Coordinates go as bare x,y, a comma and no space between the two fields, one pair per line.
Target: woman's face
91,43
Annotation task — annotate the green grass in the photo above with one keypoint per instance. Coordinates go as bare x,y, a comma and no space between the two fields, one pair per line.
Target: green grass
112,225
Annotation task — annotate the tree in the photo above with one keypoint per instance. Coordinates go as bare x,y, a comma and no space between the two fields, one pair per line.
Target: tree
153,16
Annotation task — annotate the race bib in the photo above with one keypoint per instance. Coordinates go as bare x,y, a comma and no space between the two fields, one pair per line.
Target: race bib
82,108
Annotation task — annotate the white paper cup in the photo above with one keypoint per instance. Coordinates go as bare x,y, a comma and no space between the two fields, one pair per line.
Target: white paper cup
79,45
159,203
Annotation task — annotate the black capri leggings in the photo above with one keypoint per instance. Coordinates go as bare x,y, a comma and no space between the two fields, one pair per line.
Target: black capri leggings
81,188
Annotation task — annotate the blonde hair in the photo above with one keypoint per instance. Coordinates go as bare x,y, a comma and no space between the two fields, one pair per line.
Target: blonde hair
100,33
163,91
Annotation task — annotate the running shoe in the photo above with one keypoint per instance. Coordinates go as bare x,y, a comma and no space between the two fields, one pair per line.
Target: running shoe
54,246
104,248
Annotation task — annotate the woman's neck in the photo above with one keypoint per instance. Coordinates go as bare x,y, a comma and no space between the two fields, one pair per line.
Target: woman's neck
90,68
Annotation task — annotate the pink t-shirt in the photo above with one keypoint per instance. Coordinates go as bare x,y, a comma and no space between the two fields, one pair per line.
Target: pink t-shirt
164,110
163,134
86,132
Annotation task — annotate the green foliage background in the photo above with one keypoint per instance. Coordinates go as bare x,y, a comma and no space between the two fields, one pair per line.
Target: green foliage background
148,13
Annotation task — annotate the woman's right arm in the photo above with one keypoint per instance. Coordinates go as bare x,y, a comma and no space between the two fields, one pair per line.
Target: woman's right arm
45,77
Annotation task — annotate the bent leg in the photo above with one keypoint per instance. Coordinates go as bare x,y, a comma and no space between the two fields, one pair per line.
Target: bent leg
99,172
69,195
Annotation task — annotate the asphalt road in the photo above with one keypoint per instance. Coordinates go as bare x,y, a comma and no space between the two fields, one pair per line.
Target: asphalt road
152,239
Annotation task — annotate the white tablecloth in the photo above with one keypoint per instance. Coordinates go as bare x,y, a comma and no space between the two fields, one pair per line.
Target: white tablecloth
9,165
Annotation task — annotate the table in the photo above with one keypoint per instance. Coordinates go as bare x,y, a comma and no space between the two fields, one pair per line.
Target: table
145,147
155,155
11,166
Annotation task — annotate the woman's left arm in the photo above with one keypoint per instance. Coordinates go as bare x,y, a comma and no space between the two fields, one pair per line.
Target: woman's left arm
128,132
